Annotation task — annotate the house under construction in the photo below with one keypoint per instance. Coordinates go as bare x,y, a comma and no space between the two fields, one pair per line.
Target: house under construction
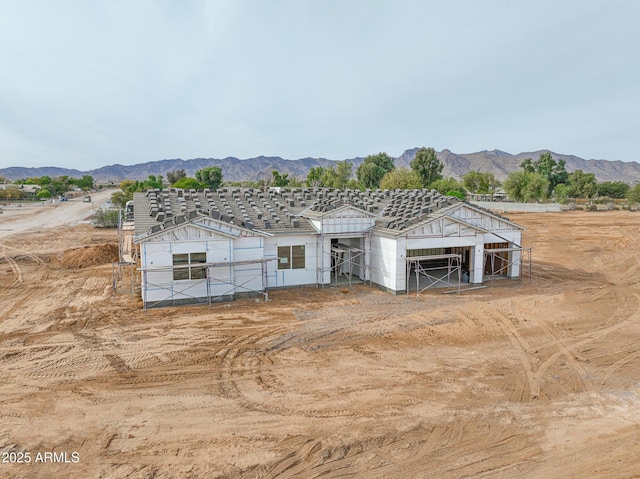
211,245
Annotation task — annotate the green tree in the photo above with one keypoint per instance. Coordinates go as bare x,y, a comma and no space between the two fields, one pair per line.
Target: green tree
187,183
280,179
343,172
43,193
373,168
613,189
174,176
119,199
12,192
445,185
153,182
210,176
43,180
400,179
633,195
528,166
481,183
314,178
106,218
561,192
329,178
338,176
456,193
296,182
582,185
526,186
353,184
85,183
128,188
554,172
129,185
427,165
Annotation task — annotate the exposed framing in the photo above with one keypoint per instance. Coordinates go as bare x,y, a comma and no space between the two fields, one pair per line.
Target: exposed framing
454,265
209,280
119,272
493,253
344,257
126,263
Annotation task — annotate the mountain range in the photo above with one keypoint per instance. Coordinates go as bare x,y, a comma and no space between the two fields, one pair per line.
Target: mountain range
497,162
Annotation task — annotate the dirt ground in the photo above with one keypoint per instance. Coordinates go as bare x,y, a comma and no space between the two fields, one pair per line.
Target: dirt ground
521,379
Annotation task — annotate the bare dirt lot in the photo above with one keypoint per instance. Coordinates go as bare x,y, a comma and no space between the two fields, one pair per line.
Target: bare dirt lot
531,380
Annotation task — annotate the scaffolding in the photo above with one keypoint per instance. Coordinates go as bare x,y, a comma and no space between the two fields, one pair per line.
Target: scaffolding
123,277
233,287
495,256
343,259
443,276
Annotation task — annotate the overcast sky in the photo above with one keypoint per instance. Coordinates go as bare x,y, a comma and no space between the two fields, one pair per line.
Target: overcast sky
91,83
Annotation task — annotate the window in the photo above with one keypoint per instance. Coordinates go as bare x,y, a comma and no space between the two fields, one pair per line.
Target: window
291,257
185,270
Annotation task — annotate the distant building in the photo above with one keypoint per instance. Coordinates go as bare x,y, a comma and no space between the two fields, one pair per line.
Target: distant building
27,189
211,245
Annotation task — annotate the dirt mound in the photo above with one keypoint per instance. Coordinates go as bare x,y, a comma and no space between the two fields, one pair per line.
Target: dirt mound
87,256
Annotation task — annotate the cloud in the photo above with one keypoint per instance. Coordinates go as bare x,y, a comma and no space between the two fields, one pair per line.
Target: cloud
104,82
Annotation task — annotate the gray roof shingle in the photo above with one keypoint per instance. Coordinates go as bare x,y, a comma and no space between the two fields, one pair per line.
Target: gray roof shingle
282,210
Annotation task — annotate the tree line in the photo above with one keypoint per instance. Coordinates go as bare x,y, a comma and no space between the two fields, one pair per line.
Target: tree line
536,180
547,178
48,187
376,171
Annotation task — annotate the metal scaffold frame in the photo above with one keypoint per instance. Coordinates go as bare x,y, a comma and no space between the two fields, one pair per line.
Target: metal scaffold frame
126,263
210,280
343,258
506,263
119,271
454,265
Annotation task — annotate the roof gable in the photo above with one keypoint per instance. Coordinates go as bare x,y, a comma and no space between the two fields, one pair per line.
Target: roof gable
482,218
344,211
200,228
346,218
443,226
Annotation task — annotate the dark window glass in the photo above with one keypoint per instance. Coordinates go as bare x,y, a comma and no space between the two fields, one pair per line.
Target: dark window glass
183,261
284,257
180,273
297,257
198,272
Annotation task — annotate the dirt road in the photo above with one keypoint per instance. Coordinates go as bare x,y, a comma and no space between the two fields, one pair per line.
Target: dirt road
531,380
15,220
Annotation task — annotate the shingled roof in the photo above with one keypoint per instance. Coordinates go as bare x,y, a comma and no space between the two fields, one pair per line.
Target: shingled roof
282,210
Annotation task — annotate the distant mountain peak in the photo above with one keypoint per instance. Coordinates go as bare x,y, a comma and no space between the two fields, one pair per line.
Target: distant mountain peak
495,161
496,152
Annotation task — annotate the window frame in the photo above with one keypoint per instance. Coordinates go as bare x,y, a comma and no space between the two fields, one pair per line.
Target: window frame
192,272
292,257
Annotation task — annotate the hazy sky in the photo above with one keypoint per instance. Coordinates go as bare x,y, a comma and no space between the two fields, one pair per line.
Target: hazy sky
90,83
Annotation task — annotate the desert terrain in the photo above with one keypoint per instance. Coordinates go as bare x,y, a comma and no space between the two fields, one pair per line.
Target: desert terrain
532,379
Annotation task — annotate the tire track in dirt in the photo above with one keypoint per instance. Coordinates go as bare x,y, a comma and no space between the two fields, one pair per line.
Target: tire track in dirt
17,271
13,264
579,381
448,450
568,348
237,362
24,252
521,346
629,353
607,373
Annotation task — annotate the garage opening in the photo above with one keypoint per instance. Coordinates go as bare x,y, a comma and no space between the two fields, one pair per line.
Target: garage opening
439,268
